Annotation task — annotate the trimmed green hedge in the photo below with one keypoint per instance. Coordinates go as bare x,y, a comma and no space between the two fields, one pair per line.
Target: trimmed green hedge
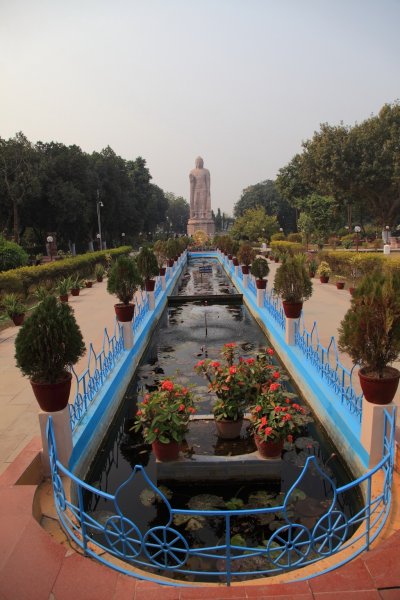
25,280
12,255
357,264
283,247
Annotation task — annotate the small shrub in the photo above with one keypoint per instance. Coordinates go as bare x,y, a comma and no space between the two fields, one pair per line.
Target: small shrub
12,255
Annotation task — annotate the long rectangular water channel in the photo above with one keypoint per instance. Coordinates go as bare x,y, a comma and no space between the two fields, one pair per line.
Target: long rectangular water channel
188,332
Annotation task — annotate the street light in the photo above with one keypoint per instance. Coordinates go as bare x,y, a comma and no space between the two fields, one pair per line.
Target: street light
123,237
99,205
357,230
50,241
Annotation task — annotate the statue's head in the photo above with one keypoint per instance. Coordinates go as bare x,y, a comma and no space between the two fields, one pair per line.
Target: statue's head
199,163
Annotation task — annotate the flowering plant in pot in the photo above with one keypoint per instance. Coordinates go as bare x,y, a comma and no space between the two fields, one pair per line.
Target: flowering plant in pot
340,282
324,272
235,382
246,254
370,334
14,308
49,343
292,282
163,417
260,269
275,418
123,281
147,266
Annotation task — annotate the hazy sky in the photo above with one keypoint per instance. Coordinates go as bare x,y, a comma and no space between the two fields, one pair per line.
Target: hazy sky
239,82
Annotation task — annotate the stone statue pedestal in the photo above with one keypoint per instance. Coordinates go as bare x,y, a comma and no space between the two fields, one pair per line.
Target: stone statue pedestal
206,225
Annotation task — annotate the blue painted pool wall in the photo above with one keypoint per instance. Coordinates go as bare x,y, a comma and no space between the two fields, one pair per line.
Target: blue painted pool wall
90,432
342,427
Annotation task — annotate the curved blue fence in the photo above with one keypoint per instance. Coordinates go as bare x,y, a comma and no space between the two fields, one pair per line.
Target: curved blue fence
163,550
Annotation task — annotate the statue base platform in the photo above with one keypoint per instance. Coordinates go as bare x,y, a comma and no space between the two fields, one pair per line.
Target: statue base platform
206,225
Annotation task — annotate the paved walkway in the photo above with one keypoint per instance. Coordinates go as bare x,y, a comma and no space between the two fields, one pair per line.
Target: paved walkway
34,567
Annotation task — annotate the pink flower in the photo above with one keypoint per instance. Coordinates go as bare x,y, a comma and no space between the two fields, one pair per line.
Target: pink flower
167,385
250,361
268,431
200,363
230,345
192,410
215,364
276,374
258,408
270,352
232,370
278,409
181,407
139,412
273,387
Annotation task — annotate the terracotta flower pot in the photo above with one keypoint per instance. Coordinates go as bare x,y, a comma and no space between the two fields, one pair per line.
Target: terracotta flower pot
64,297
292,310
53,397
276,260
89,284
162,271
227,429
18,319
269,449
229,256
149,285
261,284
245,269
235,262
324,279
170,262
166,452
75,291
340,285
99,279
124,312
379,390
352,290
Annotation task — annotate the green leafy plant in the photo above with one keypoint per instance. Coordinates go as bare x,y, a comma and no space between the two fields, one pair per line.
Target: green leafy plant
99,271
370,330
163,415
259,268
76,282
160,250
11,255
292,280
63,286
41,293
324,269
147,263
48,342
12,305
172,248
124,279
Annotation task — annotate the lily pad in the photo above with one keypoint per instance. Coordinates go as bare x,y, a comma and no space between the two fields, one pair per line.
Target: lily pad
191,523
148,496
234,504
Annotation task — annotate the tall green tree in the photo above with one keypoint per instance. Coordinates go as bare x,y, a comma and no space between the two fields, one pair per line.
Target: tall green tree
178,213
266,195
255,224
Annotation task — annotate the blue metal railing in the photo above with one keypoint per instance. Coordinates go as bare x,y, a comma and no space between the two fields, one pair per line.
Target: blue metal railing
101,364
99,367
291,545
273,304
327,363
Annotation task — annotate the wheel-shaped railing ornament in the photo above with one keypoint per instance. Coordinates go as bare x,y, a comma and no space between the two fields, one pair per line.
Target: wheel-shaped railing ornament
165,547
289,546
330,532
123,537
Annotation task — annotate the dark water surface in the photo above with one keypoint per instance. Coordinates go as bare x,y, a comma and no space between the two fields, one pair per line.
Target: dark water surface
185,334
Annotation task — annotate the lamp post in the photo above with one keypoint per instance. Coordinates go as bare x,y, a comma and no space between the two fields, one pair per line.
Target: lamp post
357,230
99,205
123,238
386,234
50,241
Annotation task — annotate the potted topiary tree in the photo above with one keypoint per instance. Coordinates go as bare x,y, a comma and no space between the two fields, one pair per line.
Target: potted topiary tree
14,308
260,269
370,334
123,281
49,343
171,250
160,252
147,266
292,282
246,254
